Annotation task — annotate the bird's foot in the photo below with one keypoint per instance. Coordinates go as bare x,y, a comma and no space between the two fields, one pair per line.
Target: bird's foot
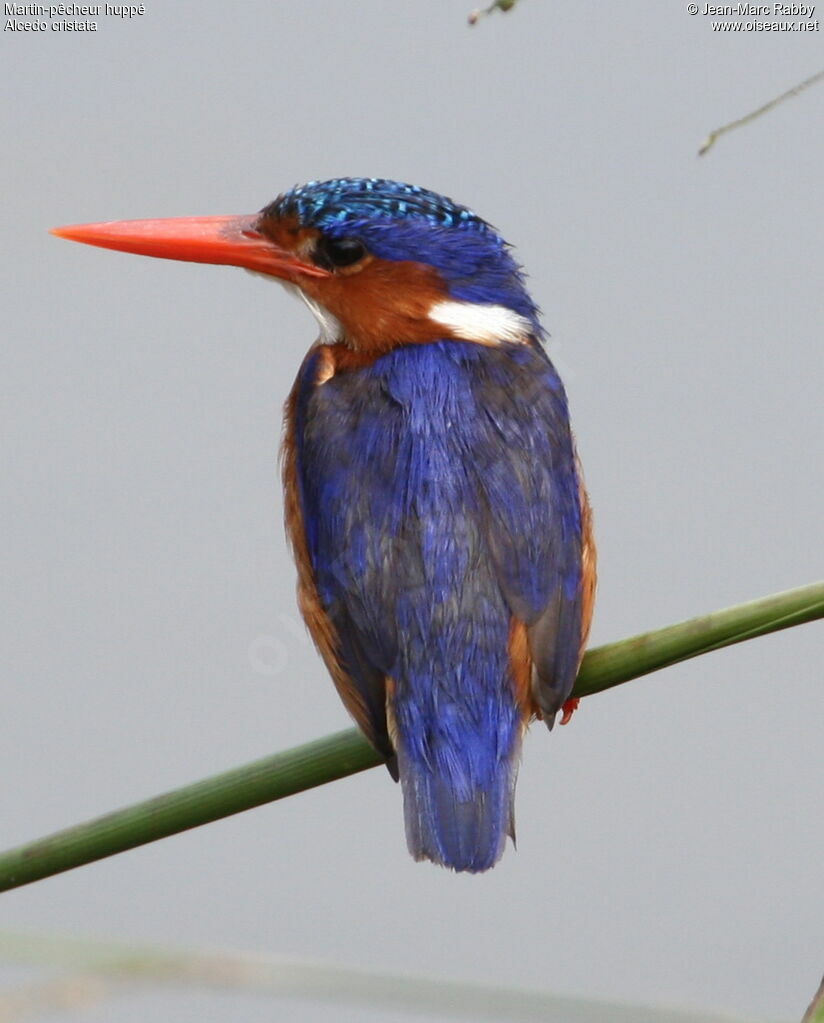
569,708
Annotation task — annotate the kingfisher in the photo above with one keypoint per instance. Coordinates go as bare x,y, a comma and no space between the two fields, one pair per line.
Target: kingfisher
433,495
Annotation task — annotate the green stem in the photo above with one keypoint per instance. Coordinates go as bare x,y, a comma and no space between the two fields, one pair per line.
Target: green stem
345,753
610,665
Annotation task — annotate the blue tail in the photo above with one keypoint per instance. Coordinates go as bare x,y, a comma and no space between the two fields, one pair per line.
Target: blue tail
459,808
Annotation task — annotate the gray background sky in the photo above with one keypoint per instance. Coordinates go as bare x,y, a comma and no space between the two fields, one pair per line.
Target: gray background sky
670,840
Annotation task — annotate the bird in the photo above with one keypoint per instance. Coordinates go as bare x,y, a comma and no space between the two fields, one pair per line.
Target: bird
434,498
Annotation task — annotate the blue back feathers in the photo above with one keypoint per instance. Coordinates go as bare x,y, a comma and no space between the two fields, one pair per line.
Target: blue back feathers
440,499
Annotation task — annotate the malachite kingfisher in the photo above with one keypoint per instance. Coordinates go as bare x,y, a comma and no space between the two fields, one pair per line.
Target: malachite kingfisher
433,496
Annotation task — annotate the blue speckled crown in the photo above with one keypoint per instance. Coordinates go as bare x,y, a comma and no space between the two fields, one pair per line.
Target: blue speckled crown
324,204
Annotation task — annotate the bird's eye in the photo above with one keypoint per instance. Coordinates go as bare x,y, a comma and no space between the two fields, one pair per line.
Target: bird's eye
332,253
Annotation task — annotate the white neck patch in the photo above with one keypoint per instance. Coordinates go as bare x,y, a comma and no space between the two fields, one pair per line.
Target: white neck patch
486,324
330,327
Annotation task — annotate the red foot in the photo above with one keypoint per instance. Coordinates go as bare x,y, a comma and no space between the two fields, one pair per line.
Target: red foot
569,709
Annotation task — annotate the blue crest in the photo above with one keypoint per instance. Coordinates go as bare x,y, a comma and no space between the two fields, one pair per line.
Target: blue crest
327,204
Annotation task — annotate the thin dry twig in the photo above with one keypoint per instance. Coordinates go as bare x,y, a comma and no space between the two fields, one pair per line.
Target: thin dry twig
481,12
713,136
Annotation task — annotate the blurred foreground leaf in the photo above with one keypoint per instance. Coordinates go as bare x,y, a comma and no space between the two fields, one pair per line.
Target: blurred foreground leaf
101,970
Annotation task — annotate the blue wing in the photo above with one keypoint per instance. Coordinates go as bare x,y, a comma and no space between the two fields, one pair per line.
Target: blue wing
535,527
360,684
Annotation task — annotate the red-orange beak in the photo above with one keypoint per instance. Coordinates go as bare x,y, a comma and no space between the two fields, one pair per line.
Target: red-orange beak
231,241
